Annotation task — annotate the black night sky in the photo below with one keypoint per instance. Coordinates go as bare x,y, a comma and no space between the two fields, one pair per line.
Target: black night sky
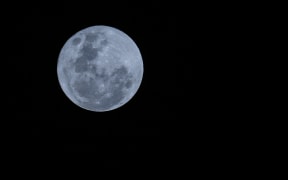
50,117
185,79
197,90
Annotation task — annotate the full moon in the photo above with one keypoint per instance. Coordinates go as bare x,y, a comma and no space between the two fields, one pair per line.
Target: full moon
100,68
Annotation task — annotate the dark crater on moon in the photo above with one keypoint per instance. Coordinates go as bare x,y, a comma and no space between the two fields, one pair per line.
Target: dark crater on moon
80,65
76,41
88,52
100,74
91,37
85,88
117,81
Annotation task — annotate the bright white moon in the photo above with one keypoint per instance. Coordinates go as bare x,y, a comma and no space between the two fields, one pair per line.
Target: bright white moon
100,68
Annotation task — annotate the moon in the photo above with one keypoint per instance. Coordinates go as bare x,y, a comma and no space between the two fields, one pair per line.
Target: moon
100,68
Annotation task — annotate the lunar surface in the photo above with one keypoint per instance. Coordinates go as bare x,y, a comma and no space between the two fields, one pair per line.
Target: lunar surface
100,68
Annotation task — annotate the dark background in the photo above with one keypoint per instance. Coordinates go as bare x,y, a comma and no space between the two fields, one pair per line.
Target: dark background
199,90
46,116
192,59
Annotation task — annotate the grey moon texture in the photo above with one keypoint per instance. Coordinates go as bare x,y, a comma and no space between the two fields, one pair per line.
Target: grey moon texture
100,68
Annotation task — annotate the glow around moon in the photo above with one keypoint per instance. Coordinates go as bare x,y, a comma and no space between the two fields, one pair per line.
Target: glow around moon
100,68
